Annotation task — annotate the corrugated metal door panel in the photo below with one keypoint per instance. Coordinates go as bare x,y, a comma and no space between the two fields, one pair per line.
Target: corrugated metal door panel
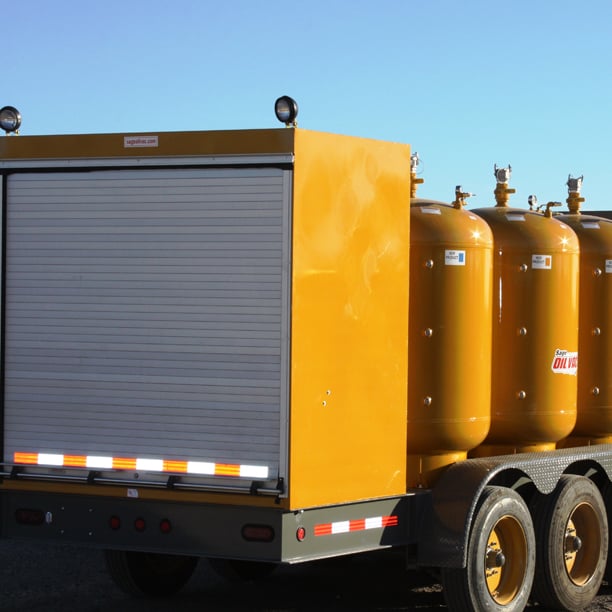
144,314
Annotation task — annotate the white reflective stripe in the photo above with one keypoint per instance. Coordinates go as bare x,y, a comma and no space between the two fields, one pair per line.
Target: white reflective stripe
201,467
49,459
374,522
151,465
99,462
358,524
341,527
253,471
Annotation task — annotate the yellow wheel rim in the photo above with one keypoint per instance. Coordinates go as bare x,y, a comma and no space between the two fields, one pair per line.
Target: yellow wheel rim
505,560
581,544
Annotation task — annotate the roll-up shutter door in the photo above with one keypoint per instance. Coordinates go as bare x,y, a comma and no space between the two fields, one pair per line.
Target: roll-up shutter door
144,314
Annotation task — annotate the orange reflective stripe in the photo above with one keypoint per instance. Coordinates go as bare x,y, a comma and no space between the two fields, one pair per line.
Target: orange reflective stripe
340,527
124,463
324,529
29,458
132,463
225,469
175,466
75,461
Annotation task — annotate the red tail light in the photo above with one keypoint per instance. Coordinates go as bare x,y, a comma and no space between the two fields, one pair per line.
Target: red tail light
258,533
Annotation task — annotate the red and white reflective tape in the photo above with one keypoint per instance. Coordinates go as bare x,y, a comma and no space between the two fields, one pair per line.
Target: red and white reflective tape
94,462
373,522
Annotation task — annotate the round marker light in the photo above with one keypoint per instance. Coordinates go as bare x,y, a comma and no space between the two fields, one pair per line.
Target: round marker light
115,523
300,534
286,110
10,119
140,524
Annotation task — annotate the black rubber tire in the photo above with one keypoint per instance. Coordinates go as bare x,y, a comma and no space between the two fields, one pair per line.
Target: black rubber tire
149,574
234,570
568,578
607,497
501,515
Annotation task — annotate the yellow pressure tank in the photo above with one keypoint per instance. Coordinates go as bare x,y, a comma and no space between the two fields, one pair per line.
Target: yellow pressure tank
449,347
535,327
594,424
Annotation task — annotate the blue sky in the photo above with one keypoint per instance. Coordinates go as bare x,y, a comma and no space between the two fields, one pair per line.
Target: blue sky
467,83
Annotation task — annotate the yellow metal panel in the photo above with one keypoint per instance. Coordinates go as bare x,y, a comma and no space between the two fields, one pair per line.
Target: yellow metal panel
349,319
151,144
143,493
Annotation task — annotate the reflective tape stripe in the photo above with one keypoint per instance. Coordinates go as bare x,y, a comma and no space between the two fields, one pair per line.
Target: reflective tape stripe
202,468
373,522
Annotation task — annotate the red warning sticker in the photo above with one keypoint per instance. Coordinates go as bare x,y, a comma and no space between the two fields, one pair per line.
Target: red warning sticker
565,362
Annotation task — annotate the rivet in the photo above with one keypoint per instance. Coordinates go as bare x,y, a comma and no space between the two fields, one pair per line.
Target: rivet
597,272
521,395
595,391
524,268
522,331
427,401
597,331
428,332
429,264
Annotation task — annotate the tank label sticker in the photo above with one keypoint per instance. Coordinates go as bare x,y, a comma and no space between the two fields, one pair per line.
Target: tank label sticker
590,224
565,362
608,266
515,217
431,211
541,262
454,258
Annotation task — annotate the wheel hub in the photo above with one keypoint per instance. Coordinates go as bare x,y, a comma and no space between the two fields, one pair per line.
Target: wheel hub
495,558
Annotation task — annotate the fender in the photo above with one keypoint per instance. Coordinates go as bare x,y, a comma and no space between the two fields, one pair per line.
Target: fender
446,524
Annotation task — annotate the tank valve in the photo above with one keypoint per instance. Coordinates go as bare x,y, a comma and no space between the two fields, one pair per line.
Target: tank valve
461,197
502,191
549,205
415,162
574,185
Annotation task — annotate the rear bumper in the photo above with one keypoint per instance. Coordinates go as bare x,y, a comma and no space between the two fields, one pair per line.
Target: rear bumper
210,530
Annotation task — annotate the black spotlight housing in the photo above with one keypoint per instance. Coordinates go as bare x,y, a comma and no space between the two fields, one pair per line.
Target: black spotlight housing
286,110
10,119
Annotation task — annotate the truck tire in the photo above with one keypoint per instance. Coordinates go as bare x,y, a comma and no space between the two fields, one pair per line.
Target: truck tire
607,497
500,557
571,544
149,574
